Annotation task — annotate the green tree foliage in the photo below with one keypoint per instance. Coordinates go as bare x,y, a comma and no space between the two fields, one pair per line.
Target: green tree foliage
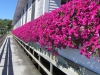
1,23
5,23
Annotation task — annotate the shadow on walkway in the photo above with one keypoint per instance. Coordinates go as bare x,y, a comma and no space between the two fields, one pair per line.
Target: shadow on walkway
8,65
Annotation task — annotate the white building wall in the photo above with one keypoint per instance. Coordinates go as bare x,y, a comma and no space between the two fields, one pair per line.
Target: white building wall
53,4
24,16
16,25
45,6
29,11
35,16
33,11
39,8
21,19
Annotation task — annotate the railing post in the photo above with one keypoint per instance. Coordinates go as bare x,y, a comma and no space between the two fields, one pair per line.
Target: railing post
51,68
39,61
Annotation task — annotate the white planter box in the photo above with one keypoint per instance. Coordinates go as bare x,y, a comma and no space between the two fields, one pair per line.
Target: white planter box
75,56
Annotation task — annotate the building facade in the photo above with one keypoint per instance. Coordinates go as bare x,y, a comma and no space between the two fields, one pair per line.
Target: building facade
28,10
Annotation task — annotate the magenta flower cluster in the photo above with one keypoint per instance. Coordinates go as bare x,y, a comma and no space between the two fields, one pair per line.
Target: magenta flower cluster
75,24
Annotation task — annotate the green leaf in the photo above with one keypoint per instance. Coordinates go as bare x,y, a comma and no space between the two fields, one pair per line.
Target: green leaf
98,14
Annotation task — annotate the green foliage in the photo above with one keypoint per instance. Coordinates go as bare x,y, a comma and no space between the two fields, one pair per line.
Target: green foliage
5,25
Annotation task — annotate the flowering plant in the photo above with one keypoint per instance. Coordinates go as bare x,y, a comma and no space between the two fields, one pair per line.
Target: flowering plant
75,24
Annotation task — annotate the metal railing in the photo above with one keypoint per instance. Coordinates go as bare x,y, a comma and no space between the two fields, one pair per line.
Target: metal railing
65,65
2,38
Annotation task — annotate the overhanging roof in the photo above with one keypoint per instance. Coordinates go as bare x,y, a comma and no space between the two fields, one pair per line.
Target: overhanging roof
20,6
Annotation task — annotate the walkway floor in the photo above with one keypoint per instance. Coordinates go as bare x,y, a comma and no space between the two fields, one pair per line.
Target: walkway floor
13,60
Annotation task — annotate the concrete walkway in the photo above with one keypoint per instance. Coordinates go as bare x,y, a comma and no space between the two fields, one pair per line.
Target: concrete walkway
13,60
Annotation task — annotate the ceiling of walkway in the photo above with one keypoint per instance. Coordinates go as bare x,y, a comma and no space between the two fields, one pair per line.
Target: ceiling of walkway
20,6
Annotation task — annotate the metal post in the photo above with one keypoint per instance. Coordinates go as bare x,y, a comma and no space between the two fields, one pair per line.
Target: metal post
33,52
28,48
51,68
39,61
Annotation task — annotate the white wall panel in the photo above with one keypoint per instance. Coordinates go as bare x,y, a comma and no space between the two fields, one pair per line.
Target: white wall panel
24,16
21,19
46,6
75,56
39,8
29,11
53,4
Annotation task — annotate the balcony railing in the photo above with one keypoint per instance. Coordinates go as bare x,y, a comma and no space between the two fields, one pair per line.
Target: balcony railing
67,66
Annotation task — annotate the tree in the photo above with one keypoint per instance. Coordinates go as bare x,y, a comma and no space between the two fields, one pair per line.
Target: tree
1,23
6,23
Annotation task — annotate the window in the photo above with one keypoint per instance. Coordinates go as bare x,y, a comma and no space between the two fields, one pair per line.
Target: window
64,1
29,4
33,1
33,11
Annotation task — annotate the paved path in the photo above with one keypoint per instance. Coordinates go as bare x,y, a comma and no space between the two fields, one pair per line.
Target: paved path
13,60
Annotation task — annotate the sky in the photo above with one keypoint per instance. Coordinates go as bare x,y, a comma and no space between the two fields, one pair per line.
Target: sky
7,9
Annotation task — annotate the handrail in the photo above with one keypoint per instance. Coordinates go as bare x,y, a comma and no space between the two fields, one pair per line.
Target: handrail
65,59
2,39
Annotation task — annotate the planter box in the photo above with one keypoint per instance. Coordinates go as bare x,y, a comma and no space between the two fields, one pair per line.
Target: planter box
75,56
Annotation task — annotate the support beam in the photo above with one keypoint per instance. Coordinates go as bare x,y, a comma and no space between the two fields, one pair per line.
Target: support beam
51,68
39,61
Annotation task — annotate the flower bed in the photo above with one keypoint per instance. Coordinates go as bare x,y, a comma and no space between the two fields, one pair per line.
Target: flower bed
75,24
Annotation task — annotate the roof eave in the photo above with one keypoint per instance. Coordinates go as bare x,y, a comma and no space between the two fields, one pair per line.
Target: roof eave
20,6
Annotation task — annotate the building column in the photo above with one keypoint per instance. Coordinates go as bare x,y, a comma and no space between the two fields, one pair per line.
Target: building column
26,13
33,10
21,19
36,10
45,6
